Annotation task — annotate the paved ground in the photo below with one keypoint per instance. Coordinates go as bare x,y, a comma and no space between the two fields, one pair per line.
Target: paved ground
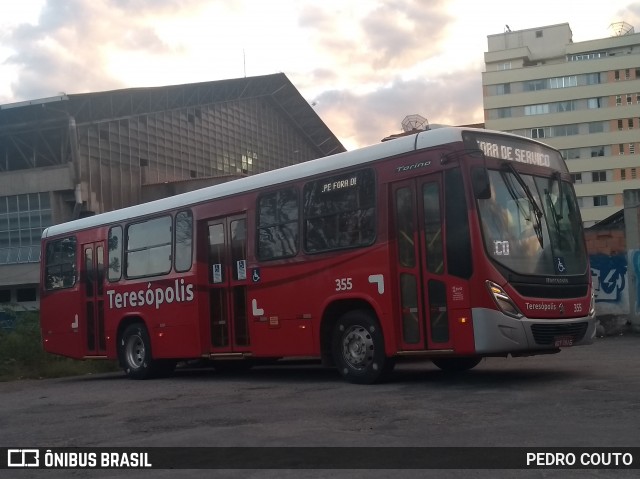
582,397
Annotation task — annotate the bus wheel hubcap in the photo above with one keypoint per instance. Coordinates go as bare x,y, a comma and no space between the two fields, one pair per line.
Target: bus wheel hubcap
135,351
357,347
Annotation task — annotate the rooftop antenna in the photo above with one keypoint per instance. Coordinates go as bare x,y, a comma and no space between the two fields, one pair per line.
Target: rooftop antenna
507,29
414,122
617,29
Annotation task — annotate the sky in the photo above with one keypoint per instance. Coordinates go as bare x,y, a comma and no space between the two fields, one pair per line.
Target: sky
362,65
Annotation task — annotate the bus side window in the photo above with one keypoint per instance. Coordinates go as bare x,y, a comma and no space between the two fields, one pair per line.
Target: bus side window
148,248
458,238
60,264
115,253
339,212
277,220
184,241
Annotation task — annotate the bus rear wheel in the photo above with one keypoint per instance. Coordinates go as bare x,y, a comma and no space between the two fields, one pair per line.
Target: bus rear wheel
456,365
358,348
134,352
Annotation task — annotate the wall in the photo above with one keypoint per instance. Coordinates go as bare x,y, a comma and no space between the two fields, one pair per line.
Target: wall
613,271
610,280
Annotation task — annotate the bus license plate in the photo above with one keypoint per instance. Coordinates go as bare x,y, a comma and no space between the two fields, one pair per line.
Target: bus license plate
563,342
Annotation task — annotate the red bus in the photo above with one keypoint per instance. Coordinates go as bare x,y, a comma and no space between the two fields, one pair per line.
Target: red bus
453,244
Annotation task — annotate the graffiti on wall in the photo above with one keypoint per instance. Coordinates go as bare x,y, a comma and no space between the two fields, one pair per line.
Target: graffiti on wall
609,275
634,255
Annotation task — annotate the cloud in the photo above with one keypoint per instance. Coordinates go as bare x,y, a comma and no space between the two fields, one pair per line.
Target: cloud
369,45
70,46
365,119
362,62
398,34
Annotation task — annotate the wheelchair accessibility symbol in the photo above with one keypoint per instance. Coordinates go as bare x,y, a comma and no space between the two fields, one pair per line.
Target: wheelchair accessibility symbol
560,267
255,275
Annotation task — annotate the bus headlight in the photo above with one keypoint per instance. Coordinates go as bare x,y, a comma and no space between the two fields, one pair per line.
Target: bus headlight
503,301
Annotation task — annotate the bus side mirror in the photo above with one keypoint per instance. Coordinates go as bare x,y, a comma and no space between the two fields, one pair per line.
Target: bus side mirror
480,183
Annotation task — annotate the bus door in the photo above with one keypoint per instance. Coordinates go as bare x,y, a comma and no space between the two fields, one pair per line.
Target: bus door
418,226
93,290
227,263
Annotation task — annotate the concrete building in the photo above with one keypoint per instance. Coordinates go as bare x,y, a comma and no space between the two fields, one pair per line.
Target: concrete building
582,98
74,155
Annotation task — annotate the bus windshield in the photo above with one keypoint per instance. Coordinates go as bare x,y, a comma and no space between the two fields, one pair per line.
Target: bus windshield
531,224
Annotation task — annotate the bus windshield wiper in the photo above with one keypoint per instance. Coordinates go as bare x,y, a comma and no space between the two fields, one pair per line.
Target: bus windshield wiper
537,212
556,216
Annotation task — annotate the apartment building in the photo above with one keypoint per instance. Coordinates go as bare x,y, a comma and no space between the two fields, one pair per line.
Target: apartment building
582,98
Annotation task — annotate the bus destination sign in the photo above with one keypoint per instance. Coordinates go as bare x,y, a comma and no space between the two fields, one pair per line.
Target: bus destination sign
513,149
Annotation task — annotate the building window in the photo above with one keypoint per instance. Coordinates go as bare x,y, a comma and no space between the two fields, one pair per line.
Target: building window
565,130
632,148
503,89
593,78
623,174
537,132
621,149
534,85
633,173
629,101
571,153
538,33
600,200
536,109
593,103
503,112
627,74
587,56
563,82
616,75
618,100
565,106
619,124
576,178
596,127
24,295
597,151
504,66
597,176
22,220
630,123
5,296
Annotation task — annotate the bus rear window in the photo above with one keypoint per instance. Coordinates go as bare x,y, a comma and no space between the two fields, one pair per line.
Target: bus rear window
339,212
149,248
60,264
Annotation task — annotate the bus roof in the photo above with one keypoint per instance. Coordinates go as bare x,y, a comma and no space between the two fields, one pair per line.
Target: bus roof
421,140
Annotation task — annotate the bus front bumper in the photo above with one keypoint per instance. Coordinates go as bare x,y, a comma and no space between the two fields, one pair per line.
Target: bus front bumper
496,333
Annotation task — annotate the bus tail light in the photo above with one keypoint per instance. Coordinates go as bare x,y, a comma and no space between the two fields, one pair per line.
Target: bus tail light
503,301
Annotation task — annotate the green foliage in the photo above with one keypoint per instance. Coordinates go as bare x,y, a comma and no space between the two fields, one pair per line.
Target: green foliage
22,356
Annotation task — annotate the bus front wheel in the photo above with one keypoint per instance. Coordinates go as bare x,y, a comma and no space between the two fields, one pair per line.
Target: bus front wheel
135,355
456,365
358,348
